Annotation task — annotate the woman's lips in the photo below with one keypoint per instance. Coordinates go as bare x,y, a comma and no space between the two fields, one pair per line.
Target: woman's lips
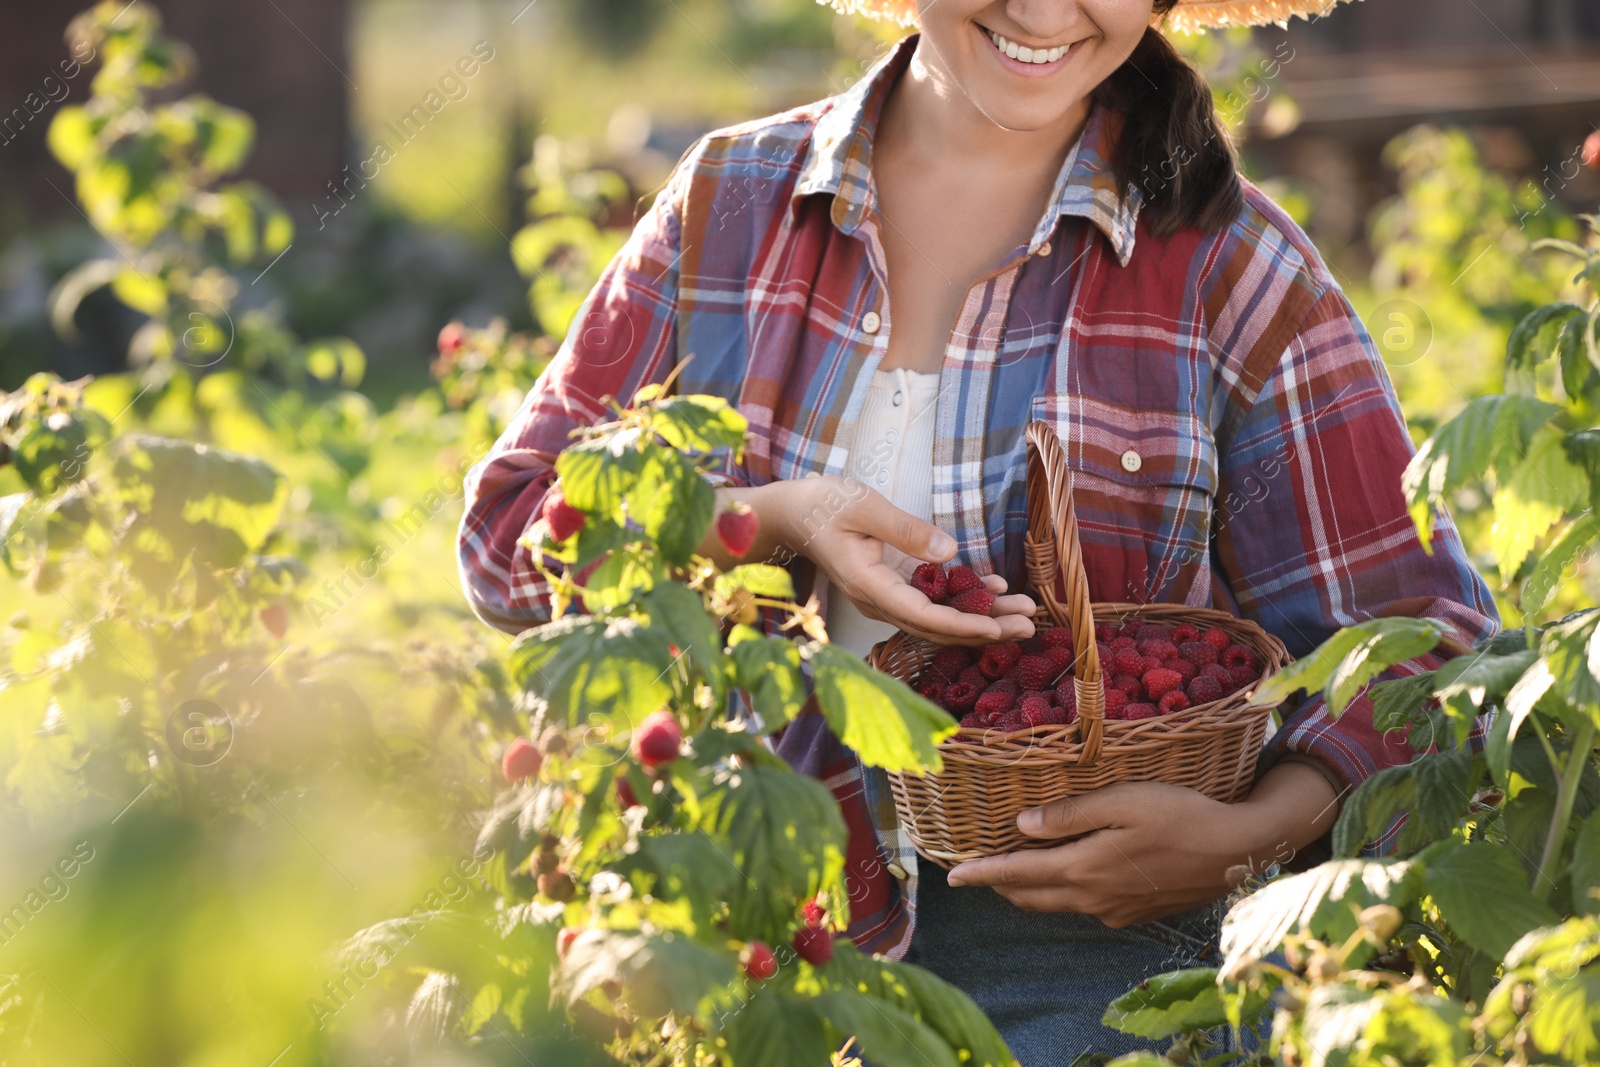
1024,68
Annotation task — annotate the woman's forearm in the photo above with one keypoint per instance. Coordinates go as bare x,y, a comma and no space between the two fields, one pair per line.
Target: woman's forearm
775,505
1291,806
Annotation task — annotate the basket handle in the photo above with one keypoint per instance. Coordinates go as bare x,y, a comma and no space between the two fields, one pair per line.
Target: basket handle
1052,552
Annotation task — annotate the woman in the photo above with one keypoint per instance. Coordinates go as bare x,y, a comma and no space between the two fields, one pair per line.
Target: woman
1025,211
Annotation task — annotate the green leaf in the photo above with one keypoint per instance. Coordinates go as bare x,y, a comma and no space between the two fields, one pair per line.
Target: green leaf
598,473
1553,562
673,502
698,423
141,292
1564,1013
884,1033
681,613
1570,654
1577,373
878,717
937,1003
586,666
1482,892
686,867
777,1029
762,579
1539,492
1488,433
663,973
1165,1005
1322,902
217,505
1532,341
1345,662
783,832
1586,869
768,668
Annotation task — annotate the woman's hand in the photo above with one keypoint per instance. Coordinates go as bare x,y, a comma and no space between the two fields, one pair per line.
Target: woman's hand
844,528
1144,850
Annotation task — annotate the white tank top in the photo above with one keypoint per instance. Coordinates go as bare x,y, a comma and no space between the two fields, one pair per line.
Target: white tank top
892,454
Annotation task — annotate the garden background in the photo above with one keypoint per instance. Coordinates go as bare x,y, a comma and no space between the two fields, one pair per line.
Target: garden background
253,340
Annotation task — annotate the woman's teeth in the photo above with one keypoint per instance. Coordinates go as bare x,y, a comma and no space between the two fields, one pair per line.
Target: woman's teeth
1027,55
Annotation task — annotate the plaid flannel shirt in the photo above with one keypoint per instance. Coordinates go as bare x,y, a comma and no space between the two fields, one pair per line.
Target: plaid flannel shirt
1233,437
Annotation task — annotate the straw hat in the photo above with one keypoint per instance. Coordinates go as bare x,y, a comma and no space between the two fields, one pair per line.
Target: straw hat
1187,16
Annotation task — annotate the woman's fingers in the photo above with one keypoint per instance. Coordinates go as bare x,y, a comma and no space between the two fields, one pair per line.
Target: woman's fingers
876,517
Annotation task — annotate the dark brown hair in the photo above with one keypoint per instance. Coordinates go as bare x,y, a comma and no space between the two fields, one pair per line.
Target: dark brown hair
1172,145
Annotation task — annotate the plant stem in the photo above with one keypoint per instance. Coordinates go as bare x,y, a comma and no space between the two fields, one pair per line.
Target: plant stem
1566,795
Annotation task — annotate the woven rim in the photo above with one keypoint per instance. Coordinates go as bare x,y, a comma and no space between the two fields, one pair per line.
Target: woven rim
1188,16
973,801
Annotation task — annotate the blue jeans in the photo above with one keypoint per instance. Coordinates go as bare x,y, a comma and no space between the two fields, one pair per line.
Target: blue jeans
1044,979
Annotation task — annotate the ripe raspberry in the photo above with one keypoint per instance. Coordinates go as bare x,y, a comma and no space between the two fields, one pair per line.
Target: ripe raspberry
1057,637
275,617
1176,700
1123,642
1234,655
1204,690
1031,646
1116,701
972,602
1129,685
1036,711
1243,676
929,579
1140,711
564,941
1220,673
932,689
759,962
1104,632
997,661
1199,653
1011,722
658,739
1130,629
563,519
813,945
1159,682
950,662
1060,658
961,580
1219,638
974,677
992,703
1158,648
736,529
1036,672
973,721
960,696
452,335
813,913
1105,652
1148,663
1186,670
625,794
1066,693
521,760
1185,631
1126,661
1152,631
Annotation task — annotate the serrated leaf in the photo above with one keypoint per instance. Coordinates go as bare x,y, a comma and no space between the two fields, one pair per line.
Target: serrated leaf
777,1029
681,613
762,579
698,423
1532,339
663,973
1322,901
1577,373
940,1005
1536,495
1488,433
768,668
1553,562
686,867
1168,1004
884,1033
673,502
598,473
878,717
1399,702
1482,892
783,832
1345,662
1369,810
585,666
1570,654
1565,1009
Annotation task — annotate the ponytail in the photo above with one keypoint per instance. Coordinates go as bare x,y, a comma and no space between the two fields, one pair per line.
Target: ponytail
1172,145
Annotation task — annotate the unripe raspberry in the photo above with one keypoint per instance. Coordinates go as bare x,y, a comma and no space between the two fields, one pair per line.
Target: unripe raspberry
557,886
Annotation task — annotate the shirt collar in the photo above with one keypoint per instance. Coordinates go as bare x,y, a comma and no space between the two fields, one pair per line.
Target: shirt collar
839,162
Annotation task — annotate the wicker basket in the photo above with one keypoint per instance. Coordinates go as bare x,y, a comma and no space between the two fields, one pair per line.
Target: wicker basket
970,808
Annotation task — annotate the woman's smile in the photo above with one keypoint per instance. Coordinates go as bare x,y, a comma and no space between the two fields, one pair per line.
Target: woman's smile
1029,61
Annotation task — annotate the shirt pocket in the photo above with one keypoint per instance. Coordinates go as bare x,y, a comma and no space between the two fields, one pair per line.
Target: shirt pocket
1144,485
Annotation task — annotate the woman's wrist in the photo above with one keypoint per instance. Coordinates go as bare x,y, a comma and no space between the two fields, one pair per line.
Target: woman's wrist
1291,806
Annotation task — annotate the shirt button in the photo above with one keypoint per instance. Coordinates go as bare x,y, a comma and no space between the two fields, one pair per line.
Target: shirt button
1131,461
870,322
1044,249
898,871
897,398
883,477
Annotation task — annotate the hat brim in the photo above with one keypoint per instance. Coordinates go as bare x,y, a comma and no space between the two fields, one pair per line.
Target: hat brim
1189,16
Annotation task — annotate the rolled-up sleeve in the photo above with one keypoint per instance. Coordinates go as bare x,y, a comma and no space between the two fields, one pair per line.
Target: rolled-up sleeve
1314,533
622,338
